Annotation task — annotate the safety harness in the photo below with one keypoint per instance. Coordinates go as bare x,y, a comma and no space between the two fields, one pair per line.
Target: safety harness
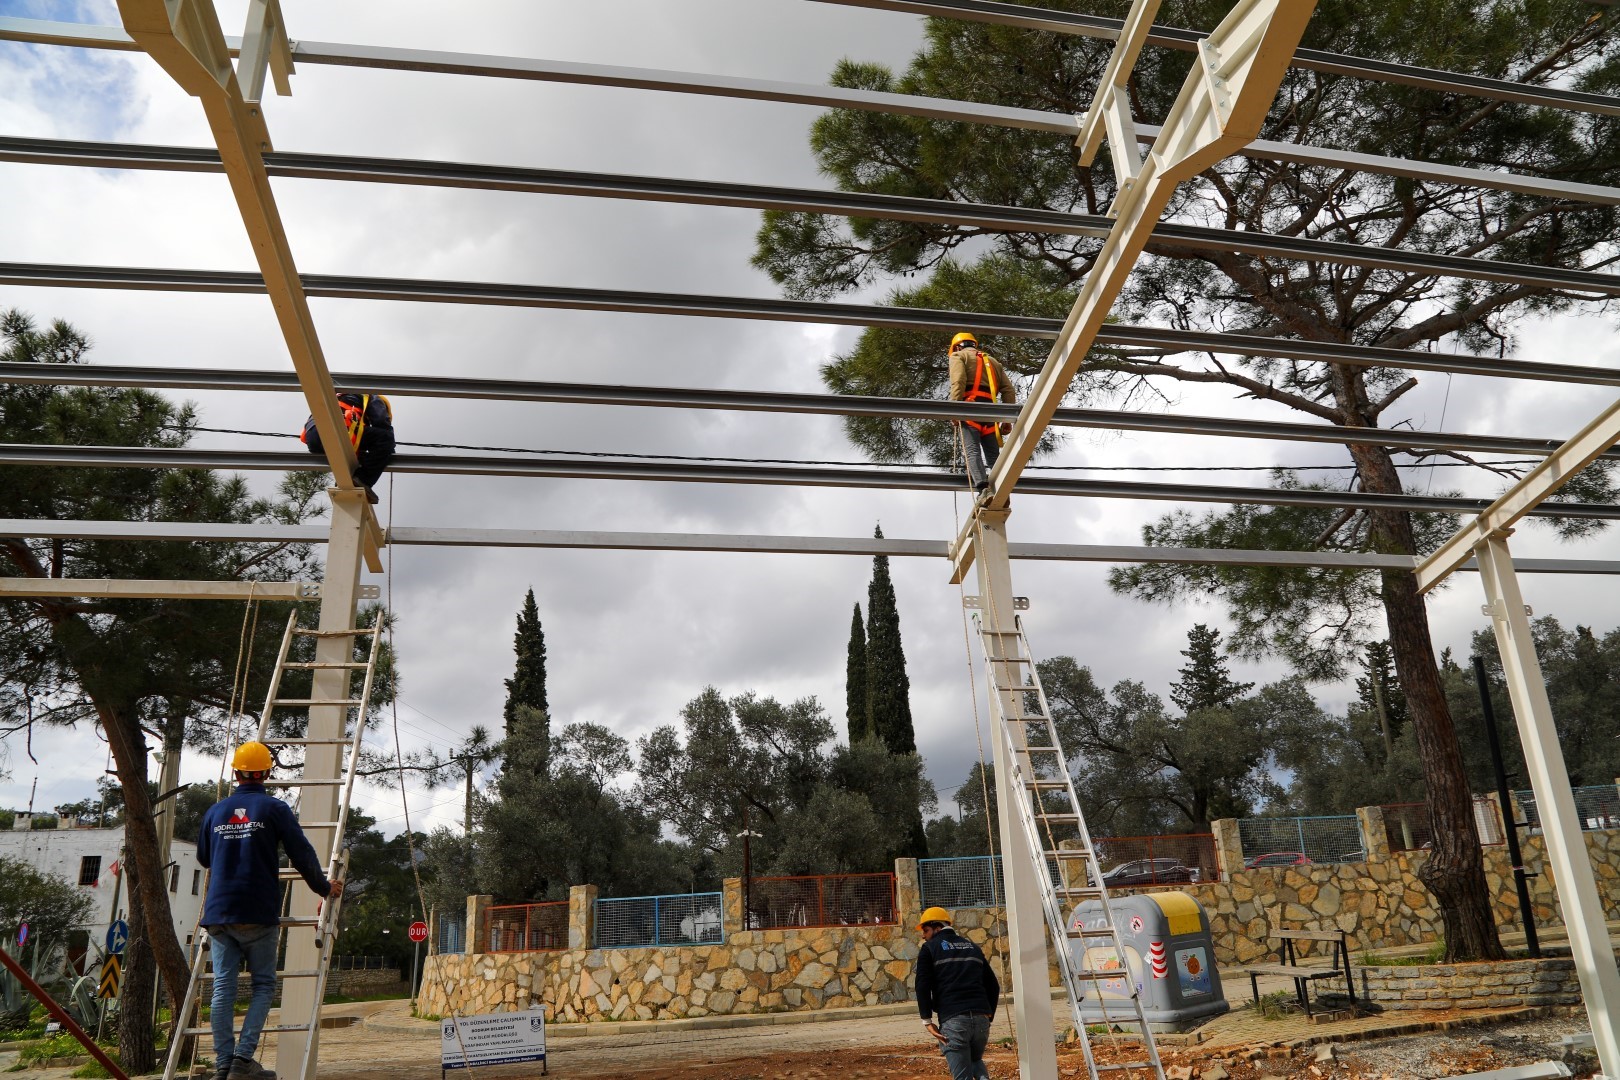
984,373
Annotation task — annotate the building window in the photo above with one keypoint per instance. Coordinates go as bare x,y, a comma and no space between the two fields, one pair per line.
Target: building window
196,881
174,877
90,870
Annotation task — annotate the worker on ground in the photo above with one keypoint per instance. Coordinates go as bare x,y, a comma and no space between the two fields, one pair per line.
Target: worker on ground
955,981
978,376
238,843
370,419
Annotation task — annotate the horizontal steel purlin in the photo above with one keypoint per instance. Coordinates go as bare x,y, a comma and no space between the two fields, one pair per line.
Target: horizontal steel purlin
763,401
864,546
563,467
466,175
739,307
1067,22
523,68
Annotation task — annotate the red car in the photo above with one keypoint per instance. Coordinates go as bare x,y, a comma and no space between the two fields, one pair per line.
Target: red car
1278,858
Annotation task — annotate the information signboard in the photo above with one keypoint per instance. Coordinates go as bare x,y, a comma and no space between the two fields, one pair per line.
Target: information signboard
493,1039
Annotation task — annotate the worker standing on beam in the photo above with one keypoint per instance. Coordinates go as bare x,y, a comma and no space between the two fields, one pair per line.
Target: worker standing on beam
955,980
238,844
370,419
978,376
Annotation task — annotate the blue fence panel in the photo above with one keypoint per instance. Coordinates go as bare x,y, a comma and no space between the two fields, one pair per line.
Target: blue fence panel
452,936
1597,807
1286,841
642,921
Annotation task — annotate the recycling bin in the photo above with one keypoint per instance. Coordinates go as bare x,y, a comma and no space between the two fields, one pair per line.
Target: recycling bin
1169,959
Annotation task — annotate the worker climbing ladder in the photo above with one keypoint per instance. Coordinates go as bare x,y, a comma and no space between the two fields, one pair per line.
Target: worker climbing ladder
1048,814
318,931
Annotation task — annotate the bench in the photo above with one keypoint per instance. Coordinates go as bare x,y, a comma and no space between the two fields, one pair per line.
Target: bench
1288,965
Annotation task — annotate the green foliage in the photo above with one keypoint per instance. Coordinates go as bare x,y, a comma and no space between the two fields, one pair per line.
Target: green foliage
857,713
381,891
888,688
49,902
971,833
1205,682
527,710
758,761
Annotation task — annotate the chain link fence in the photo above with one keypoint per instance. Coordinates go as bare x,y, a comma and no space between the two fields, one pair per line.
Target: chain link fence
640,921
1597,807
1141,861
821,900
972,881
528,927
452,935
1285,841
1407,826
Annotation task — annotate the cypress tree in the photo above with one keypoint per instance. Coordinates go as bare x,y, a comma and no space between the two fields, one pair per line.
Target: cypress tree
856,712
1205,682
528,724
888,690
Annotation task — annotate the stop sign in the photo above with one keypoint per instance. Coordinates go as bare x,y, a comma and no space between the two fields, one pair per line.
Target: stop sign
418,931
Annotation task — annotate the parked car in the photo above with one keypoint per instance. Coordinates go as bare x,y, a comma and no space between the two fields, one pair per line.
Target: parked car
1279,858
1150,872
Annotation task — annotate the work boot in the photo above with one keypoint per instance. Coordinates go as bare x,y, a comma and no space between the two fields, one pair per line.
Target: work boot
223,1072
371,496
248,1069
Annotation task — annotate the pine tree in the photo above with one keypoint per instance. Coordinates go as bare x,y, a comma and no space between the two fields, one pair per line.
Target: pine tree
1205,682
888,690
528,722
856,711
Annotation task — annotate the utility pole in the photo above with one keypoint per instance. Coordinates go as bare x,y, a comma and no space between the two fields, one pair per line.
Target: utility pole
747,834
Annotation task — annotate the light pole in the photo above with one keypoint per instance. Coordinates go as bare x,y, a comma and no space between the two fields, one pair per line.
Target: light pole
747,834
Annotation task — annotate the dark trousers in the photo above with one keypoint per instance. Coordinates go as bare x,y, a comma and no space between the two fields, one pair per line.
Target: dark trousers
375,451
981,451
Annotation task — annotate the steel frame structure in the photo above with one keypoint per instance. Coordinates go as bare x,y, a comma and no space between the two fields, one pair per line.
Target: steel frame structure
1219,113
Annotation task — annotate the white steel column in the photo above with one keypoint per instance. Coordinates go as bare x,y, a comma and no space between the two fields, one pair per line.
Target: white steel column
1026,924
1567,859
342,587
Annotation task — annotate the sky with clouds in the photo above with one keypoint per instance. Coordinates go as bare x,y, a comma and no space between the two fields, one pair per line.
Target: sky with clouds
631,636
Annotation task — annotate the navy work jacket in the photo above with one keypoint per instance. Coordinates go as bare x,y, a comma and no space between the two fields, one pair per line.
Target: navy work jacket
238,842
953,977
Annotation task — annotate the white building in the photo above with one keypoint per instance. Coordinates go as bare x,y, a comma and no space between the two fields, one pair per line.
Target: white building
90,859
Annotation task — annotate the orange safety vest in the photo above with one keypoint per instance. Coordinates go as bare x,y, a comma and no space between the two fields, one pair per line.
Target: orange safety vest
981,374
354,418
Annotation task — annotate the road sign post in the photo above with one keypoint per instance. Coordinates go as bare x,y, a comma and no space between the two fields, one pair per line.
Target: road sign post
117,937
418,933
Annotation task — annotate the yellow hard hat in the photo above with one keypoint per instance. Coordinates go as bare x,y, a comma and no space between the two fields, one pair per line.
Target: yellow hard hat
956,342
934,914
252,757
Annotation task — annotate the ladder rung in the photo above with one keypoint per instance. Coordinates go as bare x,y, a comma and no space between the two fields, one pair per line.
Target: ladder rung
304,783
1059,819
1007,660
317,824
1123,1065
267,1029
1089,891
1041,749
355,665
307,742
1068,853
1091,932
301,632
209,975
300,920
301,703
1047,785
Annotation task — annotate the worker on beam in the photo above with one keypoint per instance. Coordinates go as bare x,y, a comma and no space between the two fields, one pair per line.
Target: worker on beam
370,420
978,376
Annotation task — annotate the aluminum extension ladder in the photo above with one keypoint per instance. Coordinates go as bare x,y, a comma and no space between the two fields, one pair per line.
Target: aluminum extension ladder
323,926
1049,813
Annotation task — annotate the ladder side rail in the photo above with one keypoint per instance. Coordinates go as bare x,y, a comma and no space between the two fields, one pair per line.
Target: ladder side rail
1094,869
350,767
275,673
198,966
326,941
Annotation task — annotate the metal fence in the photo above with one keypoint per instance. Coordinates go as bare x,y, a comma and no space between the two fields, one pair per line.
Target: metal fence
1271,841
1407,826
527,927
970,881
1597,807
452,934
1141,861
687,919
362,963
822,900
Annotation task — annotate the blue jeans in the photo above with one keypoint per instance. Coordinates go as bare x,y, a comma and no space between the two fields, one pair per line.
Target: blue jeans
965,1038
232,946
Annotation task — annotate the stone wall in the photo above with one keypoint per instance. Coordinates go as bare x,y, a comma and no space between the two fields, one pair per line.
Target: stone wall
1380,903
1550,980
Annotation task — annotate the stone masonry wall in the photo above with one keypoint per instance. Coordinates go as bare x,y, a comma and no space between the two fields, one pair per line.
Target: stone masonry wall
1550,980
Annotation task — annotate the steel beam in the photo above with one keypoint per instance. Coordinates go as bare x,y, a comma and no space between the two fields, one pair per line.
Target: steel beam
1119,335
1530,491
521,68
764,401
1568,863
988,217
575,468
1096,26
155,589
861,546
